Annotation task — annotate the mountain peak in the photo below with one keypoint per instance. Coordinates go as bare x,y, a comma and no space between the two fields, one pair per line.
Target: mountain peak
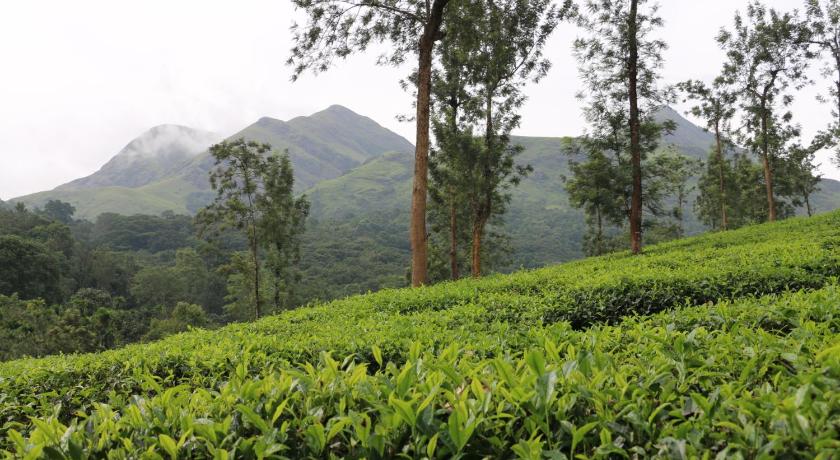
267,121
339,108
169,140
693,140
150,156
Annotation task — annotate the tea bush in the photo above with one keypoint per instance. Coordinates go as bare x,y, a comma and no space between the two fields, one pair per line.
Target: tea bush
203,393
751,379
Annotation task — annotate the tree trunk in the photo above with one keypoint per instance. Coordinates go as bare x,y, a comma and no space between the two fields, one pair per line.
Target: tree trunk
680,205
478,230
768,173
724,219
453,239
635,142
419,256
599,248
256,260
808,204
482,202
277,283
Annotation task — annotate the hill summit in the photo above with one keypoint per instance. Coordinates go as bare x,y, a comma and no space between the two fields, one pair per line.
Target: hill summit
149,157
166,168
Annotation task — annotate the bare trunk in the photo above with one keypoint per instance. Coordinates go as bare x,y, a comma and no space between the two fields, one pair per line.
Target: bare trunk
724,219
277,285
421,168
680,206
599,249
768,173
453,239
256,261
807,197
478,230
419,256
635,141
482,205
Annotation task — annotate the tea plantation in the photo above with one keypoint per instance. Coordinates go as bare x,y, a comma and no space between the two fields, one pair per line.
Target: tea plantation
725,345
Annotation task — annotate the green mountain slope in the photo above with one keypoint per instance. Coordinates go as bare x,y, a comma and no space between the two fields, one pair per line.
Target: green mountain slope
544,227
666,354
166,169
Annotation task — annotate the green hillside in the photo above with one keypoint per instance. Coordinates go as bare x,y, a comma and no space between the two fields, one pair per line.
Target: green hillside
667,354
162,171
543,227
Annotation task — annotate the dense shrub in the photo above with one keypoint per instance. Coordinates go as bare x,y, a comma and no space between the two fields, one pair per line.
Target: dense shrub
704,380
478,331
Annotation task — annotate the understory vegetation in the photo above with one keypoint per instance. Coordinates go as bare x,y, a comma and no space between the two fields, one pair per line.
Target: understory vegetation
723,344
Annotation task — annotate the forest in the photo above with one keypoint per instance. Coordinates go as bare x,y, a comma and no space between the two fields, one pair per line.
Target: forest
702,323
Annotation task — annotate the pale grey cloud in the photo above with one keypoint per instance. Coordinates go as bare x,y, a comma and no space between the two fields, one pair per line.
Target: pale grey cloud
80,79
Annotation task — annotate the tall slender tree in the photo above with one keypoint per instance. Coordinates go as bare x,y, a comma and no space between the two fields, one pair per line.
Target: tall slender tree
711,205
338,28
236,180
282,224
620,60
254,194
823,25
798,171
766,56
716,105
672,171
490,50
453,105
592,187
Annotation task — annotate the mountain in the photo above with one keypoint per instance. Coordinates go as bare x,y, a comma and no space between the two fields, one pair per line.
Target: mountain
358,177
148,158
167,167
543,227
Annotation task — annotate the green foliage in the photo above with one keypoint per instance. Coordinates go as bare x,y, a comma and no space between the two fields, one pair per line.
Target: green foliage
254,195
822,25
90,321
489,51
747,379
139,232
282,224
183,317
59,211
533,366
767,56
620,60
21,324
672,172
29,269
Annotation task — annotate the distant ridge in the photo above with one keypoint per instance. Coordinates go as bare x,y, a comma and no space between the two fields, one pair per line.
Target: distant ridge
358,176
166,168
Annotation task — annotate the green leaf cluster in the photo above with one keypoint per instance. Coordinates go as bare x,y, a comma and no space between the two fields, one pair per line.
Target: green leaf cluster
547,362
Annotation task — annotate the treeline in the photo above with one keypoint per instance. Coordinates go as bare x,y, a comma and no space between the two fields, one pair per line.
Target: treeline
69,285
624,173
472,58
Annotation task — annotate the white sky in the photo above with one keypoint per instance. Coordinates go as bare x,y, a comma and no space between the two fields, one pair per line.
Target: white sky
80,79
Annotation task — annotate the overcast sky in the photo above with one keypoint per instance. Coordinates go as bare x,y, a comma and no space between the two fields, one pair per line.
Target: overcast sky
80,79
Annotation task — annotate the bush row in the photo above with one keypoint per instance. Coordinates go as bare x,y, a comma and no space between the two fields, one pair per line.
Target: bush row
751,379
491,317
